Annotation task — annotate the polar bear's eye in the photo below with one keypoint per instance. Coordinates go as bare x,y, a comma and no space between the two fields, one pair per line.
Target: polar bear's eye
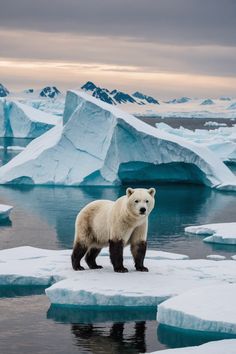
147,201
136,201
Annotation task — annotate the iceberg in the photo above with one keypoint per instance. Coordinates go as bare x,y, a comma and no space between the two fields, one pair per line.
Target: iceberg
210,308
5,211
221,141
21,121
102,145
217,347
224,233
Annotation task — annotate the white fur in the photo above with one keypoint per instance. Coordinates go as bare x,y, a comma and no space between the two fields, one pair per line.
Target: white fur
104,220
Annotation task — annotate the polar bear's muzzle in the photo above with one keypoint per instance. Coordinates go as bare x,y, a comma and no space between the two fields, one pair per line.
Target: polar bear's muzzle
142,211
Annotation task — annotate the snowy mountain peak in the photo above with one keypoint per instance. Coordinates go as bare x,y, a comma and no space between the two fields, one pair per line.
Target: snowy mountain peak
141,96
49,91
3,91
103,95
207,102
89,86
30,90
180,100
122,97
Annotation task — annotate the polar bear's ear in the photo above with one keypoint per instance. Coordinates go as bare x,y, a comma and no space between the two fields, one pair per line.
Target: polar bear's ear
152,191
129,191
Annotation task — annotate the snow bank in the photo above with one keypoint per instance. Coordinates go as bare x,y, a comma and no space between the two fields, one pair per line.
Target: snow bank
5,211
22,121
210,308
226,346
101,145
218,233
221,141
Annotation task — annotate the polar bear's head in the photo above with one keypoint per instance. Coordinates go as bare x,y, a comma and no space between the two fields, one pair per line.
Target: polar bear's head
140,201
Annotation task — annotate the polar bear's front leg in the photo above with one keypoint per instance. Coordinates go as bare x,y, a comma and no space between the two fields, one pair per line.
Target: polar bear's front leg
138,246
116,255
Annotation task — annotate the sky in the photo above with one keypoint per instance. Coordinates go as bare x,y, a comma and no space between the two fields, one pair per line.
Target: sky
166,48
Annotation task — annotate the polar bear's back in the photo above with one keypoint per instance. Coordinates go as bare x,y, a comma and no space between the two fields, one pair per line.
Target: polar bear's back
93,221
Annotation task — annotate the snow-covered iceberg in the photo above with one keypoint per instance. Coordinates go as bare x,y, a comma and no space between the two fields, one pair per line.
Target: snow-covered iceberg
101,145
5,211
226,346
217,233
22,121
210,308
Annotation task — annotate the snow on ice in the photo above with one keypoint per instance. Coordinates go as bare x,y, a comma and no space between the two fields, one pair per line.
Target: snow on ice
5,211
226,346
210,308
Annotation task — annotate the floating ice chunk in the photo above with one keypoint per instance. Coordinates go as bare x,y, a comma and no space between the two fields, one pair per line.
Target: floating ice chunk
5,211
216,257
94,148
226,346
214,124
165,279
210,308
218,233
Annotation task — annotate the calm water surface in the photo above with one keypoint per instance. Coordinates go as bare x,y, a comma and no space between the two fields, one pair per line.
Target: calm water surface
44,217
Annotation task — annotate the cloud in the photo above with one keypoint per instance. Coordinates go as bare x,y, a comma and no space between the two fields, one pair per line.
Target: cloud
163,21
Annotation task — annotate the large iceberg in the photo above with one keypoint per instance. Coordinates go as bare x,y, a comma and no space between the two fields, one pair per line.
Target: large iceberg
101,145
226,346
210,308
217,233
22,121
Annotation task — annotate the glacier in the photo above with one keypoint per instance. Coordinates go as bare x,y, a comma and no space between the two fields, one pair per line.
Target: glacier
224,233
102,145
22,121
217,347
211,308
5,211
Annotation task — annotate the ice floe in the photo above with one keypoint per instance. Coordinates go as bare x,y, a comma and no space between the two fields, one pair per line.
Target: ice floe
166,278
226,346
216,257
210,308
101,145
217,233
5,211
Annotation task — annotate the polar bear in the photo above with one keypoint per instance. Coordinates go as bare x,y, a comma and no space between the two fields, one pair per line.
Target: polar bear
117,224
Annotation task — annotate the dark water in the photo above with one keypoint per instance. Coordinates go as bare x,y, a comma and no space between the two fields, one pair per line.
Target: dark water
44,217
5,154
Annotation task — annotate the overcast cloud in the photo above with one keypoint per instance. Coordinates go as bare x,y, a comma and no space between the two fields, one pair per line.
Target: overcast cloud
195,37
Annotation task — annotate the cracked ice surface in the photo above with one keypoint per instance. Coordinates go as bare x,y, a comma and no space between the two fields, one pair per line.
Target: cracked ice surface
210,308
224,233
226,346
101,145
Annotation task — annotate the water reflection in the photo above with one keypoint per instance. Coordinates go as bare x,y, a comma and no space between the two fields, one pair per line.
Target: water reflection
107,331
177,338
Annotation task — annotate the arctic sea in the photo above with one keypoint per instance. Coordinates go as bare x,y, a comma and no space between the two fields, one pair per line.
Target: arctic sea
44,217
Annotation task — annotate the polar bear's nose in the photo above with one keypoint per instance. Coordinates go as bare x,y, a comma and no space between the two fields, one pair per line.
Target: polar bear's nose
142,210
